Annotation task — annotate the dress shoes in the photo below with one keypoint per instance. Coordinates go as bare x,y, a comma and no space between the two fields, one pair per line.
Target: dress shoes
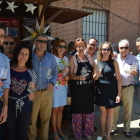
127,134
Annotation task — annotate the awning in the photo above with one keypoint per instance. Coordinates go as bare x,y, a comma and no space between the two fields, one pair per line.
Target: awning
63,15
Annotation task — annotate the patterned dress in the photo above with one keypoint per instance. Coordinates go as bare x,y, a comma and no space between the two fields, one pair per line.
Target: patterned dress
61,86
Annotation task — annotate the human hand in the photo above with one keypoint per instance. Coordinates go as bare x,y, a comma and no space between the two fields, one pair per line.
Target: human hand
1,83
82,78
3,116
134,72
66,78
118,99
31,96
50,86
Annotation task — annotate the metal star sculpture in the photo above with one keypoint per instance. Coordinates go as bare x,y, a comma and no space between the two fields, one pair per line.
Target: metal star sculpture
30,7
11,6
37,31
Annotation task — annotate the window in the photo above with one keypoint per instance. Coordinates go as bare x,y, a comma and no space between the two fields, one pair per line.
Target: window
95,25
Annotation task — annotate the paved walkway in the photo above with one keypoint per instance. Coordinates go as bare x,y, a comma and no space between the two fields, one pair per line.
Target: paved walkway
120,135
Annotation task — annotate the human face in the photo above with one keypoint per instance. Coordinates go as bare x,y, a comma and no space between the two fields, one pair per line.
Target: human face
123,51
2,35
8,44
138,46
106,50
91,46
41,47
23,56
81,47
61,48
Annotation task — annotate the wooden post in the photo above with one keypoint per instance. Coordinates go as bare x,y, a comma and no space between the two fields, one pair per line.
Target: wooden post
42,21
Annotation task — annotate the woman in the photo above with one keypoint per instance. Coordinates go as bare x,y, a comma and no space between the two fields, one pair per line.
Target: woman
81,89
60,89
19,105
109,86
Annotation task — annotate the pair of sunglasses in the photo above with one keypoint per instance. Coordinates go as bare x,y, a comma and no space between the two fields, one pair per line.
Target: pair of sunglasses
80,39
61,46
93,45
42,41
108,50
124,48
6,43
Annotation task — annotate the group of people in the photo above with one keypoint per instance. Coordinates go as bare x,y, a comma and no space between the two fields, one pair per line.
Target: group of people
92,77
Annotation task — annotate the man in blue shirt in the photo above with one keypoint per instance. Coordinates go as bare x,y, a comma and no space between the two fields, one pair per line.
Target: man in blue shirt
5,85
138,58
42,61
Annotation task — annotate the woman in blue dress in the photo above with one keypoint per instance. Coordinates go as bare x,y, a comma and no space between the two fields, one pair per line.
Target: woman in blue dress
19,105
60,89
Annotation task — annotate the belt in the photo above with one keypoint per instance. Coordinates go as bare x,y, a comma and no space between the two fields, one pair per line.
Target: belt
127,86
41,89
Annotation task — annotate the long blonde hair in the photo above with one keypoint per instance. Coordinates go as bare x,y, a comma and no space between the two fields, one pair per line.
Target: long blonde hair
100,55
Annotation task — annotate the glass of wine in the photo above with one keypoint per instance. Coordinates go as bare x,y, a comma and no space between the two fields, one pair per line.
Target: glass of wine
3,75
100,67
31,88
84,72
49,75
134,66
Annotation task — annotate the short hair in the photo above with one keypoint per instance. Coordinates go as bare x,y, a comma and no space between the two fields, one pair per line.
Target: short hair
71,46
138,39
81,40
94,39
10,36
100,55
3,26
16,52
41,34
54,51
123,40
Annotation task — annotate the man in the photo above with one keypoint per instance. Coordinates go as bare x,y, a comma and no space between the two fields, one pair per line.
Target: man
125,61
9,45
91,48
4,63
138,58
42,61
91,51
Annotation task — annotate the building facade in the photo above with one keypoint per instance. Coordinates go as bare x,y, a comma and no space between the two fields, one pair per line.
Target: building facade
101,24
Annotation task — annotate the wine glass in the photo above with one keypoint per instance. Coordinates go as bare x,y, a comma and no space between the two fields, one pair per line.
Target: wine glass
100,67
84,71
49,75
133,67
3,75
31,88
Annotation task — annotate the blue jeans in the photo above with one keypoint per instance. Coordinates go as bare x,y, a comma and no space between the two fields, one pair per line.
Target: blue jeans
3,125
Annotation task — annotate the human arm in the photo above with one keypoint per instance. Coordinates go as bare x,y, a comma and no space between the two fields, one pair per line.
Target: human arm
118,77
96,73
72,75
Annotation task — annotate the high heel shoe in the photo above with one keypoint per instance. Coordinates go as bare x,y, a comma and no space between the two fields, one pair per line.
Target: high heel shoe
64,137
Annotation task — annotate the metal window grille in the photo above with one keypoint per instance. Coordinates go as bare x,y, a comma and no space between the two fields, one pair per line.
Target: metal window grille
95,25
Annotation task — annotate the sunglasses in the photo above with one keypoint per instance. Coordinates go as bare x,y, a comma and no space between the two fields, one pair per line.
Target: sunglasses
61,46
42,41
124,48
80,39
6,43
93,45
108,50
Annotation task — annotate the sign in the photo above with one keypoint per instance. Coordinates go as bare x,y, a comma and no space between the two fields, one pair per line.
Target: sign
13,32
7,21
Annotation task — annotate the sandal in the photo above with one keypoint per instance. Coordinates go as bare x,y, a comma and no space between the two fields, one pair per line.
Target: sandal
55,135
64,137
